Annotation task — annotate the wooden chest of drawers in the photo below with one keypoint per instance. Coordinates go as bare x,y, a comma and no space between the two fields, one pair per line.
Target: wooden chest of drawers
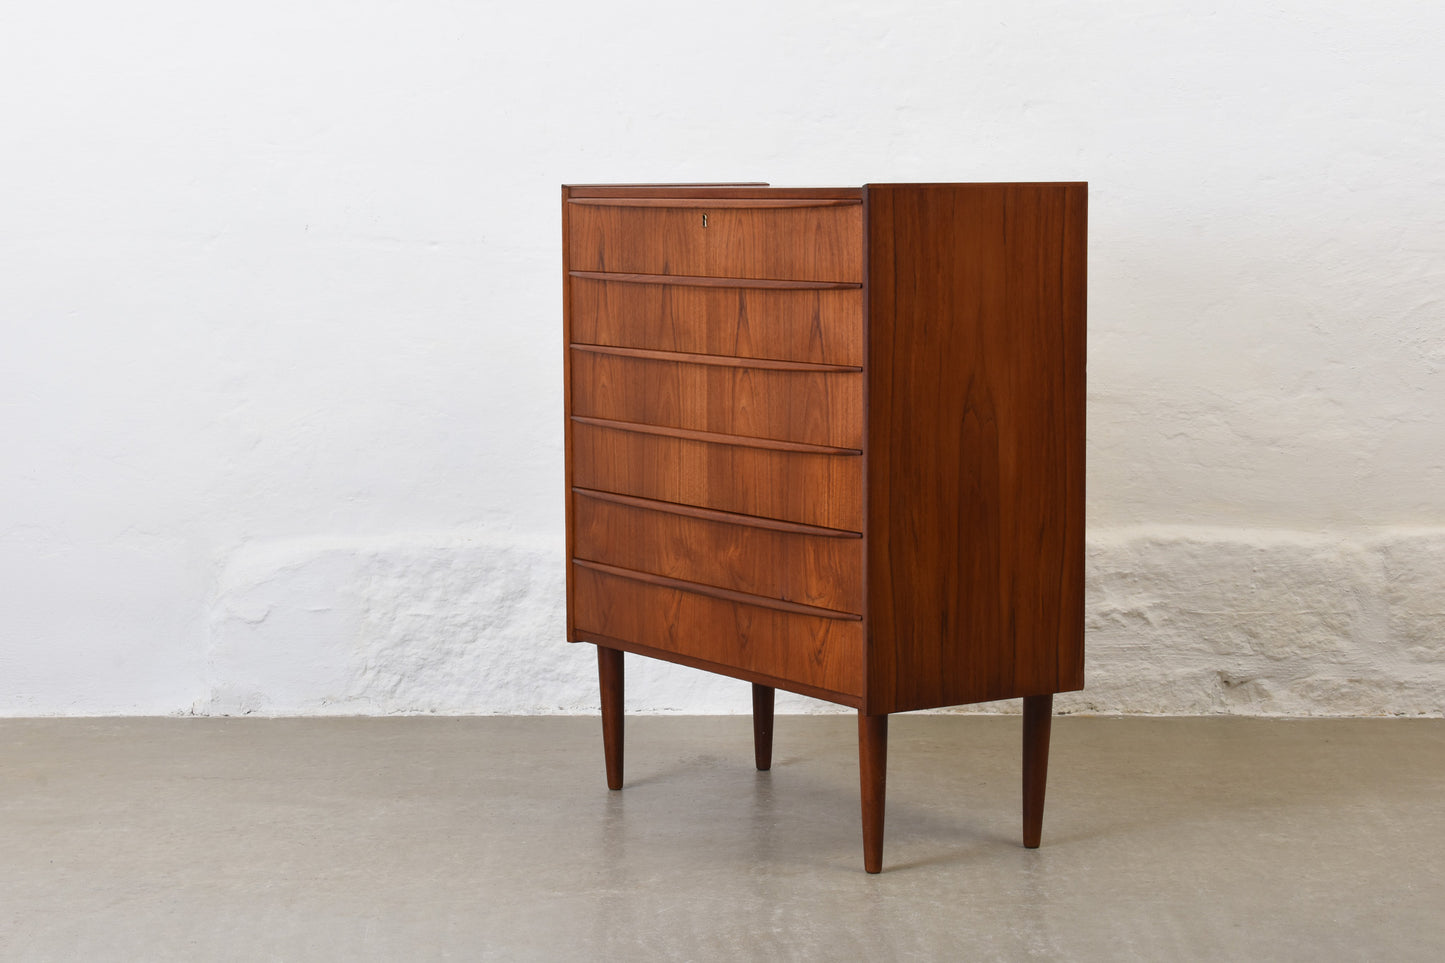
831,441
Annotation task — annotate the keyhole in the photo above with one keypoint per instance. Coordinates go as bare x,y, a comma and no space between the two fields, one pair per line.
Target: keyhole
704,220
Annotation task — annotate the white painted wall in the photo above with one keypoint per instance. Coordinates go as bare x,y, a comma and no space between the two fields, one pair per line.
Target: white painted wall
280,371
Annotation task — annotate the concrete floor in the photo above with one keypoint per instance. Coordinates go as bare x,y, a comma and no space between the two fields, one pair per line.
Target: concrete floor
495,838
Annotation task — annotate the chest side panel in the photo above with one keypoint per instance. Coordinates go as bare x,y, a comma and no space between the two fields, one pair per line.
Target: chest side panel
976,442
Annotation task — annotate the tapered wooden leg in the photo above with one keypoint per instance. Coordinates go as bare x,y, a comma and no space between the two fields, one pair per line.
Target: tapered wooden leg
609,674
872,778
763,726
1038,714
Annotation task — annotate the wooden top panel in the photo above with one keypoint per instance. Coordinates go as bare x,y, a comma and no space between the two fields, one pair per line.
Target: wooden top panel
672,186
714,202
996,185
718,191
762,189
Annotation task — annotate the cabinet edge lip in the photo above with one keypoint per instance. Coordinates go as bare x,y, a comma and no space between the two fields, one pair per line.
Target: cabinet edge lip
710,281
715,360
851,699
717,438
717,203
714,191
939,184
719,593
716,514
661,186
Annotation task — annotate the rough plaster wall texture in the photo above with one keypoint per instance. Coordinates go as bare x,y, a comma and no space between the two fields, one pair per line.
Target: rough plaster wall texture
1180,621
280,387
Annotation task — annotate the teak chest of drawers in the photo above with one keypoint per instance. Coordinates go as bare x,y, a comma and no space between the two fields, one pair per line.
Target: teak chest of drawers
831,441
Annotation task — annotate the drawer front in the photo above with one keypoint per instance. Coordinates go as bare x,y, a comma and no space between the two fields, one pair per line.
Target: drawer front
811,569
819,407
821,652
814,241
805,487
819,326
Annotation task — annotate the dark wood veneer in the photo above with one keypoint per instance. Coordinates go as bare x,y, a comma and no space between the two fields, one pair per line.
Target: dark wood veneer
831,441
823,325
975,433
716,437
754,189
794,486
788,243
718,592
722,360
685,280
738,554
851,699
822,652
717,203
734,518
820,409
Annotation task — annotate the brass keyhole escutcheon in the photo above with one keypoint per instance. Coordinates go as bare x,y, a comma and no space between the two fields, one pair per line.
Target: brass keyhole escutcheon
704,220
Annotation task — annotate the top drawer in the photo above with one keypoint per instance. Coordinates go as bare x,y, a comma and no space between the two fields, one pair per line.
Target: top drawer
786,240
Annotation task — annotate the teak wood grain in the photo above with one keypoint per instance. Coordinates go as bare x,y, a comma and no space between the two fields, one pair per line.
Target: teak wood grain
715,203
825,490
718,592
822,326
826,654
731,518
823,408
811,569
719,360
696,281
831,442
756,189
793,243
852,700
976,444
716,437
